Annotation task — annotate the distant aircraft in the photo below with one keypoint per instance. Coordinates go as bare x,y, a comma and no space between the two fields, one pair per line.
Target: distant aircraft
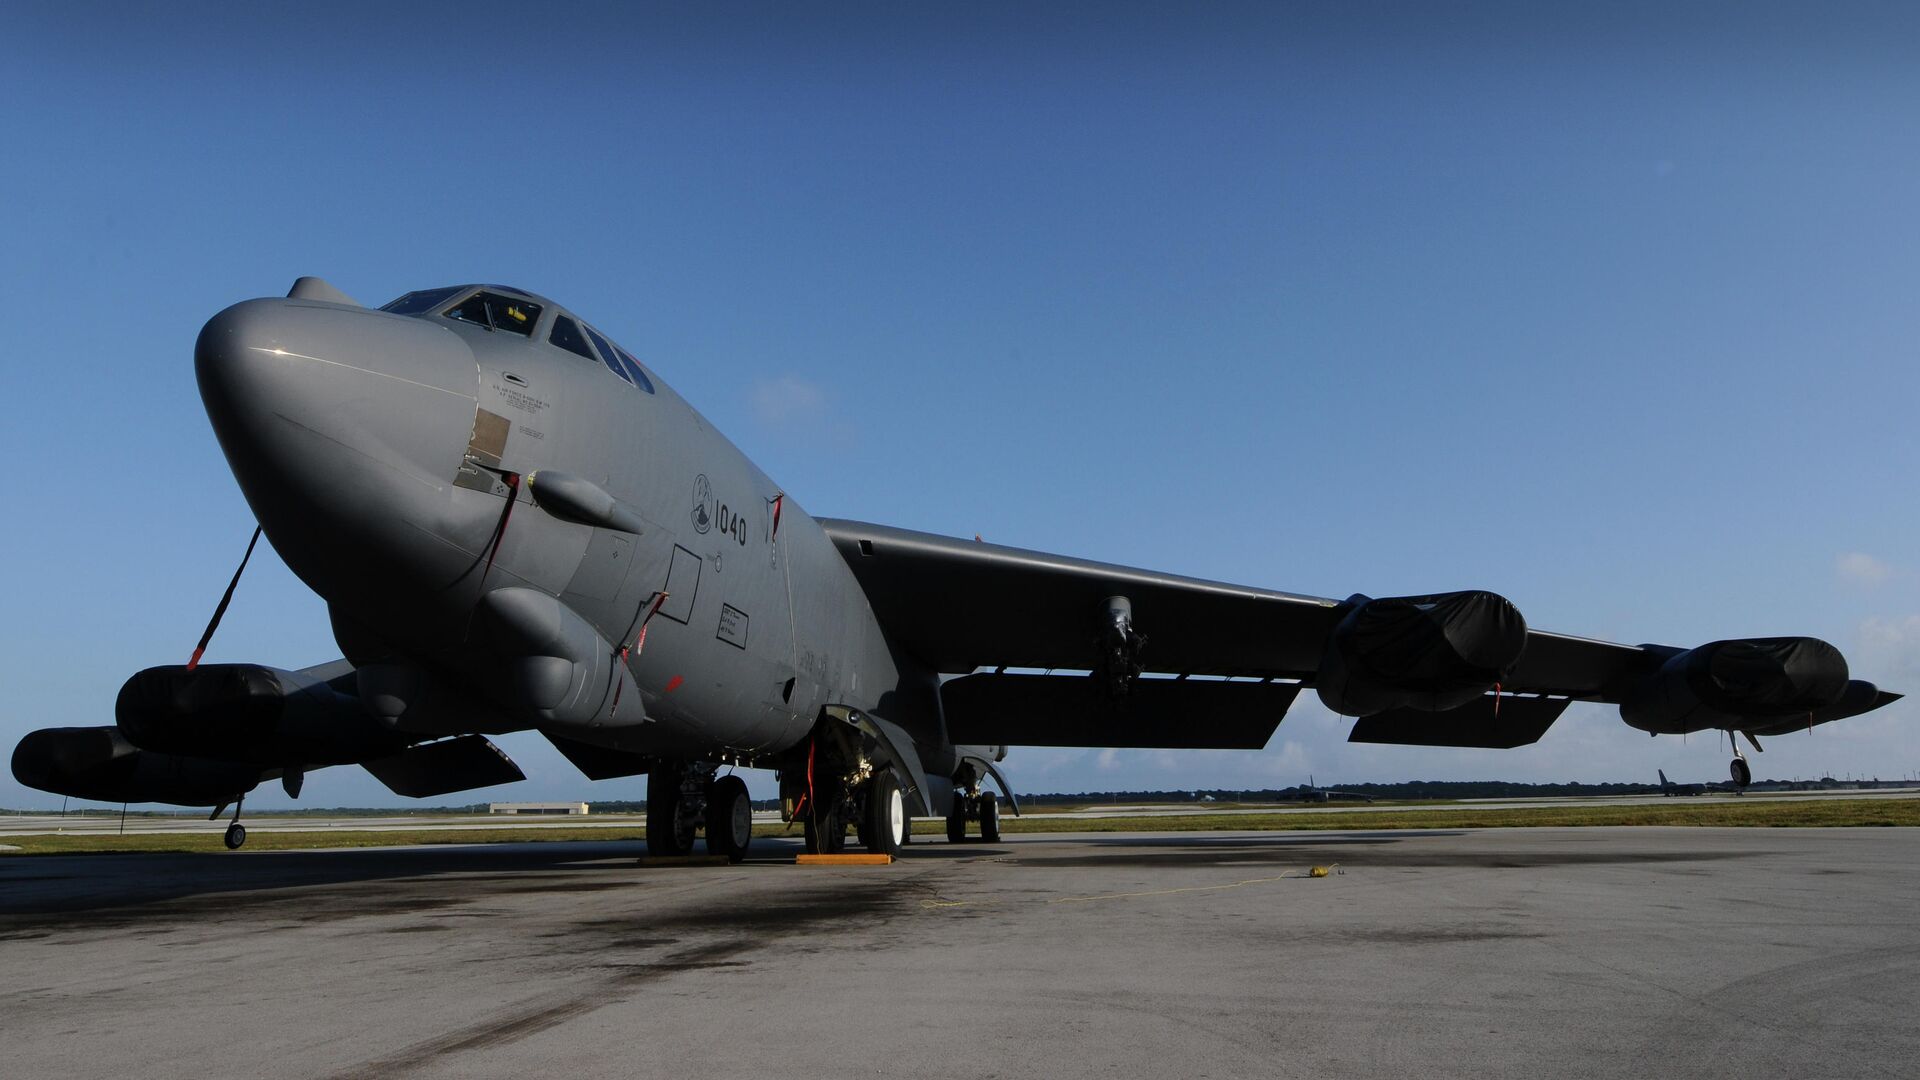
517,525
1309,793
1668,787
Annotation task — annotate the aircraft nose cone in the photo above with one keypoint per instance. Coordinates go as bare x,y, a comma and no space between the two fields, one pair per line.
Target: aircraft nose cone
344,426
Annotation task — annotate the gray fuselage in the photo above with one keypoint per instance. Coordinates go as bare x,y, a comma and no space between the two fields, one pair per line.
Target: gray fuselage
379,451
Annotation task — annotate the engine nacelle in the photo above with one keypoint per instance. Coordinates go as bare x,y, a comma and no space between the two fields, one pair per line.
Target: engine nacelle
99,763
1431,653
248,713
1737,684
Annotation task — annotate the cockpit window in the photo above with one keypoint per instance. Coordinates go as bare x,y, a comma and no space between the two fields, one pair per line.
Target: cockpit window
619,362
497,312
566,334
607,355
633,367
419,300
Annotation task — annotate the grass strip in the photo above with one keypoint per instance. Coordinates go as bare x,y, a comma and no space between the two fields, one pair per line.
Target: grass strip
1801,813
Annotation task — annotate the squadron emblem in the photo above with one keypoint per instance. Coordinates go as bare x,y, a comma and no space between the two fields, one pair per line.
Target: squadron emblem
702,504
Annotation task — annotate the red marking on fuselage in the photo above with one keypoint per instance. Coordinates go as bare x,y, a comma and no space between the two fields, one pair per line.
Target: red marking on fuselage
674,683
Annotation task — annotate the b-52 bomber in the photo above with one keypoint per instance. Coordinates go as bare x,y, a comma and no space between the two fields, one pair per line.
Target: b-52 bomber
516,524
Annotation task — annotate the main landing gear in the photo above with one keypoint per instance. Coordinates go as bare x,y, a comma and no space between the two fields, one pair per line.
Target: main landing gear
839,785
874,805
685,796
981,806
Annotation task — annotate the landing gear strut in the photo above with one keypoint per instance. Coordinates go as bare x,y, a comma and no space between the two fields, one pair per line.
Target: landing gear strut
236,832
1741,772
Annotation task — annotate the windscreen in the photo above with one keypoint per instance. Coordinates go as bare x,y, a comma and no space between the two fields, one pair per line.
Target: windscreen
497,312
419,301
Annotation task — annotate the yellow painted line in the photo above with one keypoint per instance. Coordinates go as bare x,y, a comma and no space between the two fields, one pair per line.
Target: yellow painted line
843,860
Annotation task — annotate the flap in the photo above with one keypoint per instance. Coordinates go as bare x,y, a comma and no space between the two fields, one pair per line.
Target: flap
438,768
599,762
1074,710
1518,722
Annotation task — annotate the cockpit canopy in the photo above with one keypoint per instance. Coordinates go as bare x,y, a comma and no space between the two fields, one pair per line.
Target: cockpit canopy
501,307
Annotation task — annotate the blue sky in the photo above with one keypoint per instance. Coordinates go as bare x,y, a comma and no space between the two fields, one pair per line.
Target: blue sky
1611,311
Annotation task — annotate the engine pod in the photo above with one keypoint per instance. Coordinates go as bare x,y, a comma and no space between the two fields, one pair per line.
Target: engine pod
1431,653
1731,684
99,763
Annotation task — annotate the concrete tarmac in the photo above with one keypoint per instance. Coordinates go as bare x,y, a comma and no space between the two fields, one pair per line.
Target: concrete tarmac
1487,953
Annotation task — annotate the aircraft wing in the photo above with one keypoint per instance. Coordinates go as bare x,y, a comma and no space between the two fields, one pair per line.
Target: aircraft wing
1233,657
959,605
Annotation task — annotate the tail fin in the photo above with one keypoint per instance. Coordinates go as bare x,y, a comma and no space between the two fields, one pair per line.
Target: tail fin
1663,777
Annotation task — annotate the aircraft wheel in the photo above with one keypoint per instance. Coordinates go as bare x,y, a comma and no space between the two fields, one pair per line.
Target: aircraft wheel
989,818
829,837
884,825
669,831
957,820
236,835
1742,774
729,818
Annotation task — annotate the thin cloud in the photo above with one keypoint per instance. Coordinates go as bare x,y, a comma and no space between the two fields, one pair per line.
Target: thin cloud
1862,568
1889,647
789,403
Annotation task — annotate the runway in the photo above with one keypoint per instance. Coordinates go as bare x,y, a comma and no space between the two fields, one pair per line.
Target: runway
1487,953
95,821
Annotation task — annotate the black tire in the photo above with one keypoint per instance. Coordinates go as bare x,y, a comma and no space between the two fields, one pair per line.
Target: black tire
989,818
957,820
668,831
729,818
1742,775
884,824
236,835
829,836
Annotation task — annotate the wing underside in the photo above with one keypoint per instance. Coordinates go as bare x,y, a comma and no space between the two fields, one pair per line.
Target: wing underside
1023,630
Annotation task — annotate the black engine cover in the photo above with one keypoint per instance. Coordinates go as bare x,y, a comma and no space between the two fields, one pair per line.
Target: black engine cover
1430,653
1738,684
99,763
249,713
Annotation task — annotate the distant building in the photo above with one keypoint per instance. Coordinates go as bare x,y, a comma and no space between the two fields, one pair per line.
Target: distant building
537,808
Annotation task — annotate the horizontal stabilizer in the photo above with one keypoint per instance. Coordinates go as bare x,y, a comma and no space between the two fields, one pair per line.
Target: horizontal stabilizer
598,762
437,768
1075,710
1518,721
